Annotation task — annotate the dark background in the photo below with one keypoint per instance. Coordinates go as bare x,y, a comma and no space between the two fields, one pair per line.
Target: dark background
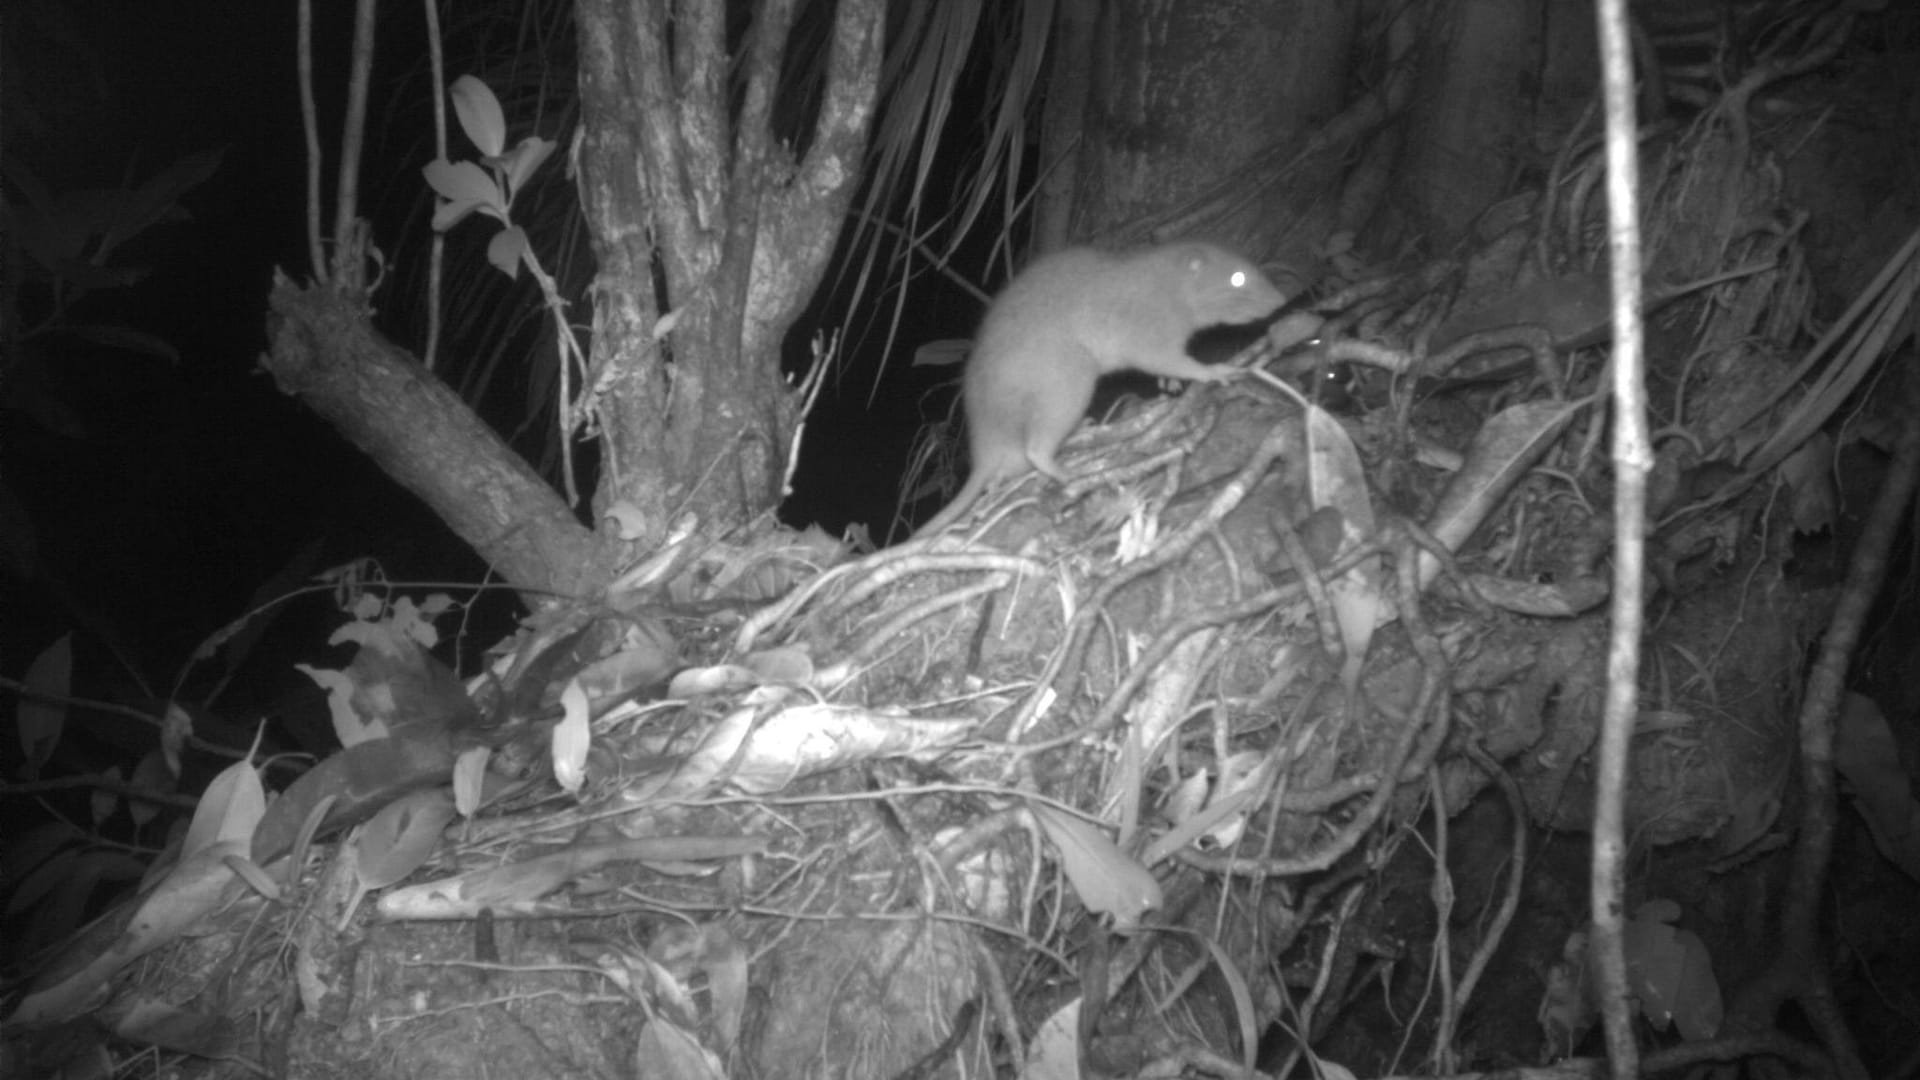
192,483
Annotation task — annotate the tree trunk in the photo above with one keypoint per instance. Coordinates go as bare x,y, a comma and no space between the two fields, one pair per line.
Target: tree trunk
1479,82
1275,126
1181,104
734,228
711,234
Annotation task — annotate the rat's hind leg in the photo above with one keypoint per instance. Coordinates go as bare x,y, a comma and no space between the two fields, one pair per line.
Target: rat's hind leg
1052,417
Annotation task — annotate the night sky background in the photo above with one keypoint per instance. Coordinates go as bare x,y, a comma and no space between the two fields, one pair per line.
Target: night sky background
190,484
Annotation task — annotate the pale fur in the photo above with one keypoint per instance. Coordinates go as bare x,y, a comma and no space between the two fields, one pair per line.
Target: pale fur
1073,316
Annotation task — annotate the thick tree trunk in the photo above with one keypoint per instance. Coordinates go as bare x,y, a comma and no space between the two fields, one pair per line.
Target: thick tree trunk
1470,125
1175,106
1276,126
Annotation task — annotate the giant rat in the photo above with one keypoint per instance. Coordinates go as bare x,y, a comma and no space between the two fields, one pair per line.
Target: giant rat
1073,316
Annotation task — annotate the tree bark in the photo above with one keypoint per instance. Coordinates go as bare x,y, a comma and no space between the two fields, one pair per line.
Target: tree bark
326,352
699,212
686,199
1184,102
1480,79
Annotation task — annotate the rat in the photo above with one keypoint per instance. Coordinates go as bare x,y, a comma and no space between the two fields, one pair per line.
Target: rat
1073,316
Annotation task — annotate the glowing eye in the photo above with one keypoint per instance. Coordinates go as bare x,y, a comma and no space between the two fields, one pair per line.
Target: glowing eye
1239,279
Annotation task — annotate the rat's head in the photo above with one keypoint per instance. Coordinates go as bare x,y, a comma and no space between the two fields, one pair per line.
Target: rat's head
1222,287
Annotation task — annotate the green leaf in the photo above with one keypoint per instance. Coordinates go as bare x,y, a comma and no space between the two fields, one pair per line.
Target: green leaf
1105,879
